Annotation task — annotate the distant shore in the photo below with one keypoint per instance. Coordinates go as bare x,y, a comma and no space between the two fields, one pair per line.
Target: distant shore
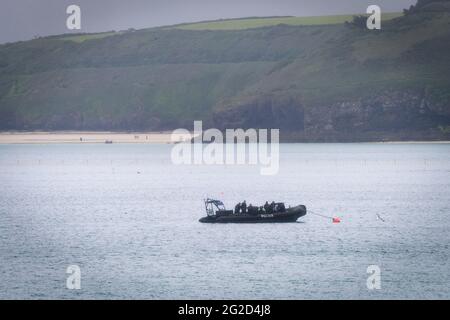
164,137
87,137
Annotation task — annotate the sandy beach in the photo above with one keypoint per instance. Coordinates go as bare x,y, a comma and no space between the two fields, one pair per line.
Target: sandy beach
88,137
117,137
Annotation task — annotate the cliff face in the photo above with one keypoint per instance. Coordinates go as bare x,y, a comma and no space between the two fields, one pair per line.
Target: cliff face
390,115
315,83
265,111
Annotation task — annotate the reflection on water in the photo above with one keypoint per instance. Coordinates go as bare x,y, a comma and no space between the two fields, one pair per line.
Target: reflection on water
129,219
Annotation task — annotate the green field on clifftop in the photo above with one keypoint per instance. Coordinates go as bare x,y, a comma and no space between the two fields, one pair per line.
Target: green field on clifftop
247,23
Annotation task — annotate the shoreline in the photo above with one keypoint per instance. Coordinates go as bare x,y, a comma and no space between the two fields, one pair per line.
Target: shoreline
160,137
91,137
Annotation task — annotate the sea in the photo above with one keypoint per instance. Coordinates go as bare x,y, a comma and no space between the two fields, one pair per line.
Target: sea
126,218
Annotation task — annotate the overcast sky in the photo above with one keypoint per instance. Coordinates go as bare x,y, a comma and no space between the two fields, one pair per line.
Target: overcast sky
24,19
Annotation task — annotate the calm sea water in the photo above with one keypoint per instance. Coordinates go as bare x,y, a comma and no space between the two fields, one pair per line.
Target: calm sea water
128,218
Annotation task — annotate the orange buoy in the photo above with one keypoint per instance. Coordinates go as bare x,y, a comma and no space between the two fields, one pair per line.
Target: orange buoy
336,220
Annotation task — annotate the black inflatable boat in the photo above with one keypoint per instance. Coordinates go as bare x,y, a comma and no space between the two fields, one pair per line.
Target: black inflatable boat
217,213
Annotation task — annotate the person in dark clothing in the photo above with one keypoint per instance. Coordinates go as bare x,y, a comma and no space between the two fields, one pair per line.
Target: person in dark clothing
266,207
237,208
281,207
272,207
244,207
251,209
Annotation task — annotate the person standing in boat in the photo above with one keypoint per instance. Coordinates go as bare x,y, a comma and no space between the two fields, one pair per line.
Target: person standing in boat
244,207
266,207
272,207
237,208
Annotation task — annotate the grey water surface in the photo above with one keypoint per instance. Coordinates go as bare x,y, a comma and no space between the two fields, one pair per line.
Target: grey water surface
128,218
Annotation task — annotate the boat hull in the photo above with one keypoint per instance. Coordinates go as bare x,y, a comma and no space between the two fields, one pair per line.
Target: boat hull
290,215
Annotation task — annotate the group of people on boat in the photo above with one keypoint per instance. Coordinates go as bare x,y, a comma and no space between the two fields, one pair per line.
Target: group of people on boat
242,208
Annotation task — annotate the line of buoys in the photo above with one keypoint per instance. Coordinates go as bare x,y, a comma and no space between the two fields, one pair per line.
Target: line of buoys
333,219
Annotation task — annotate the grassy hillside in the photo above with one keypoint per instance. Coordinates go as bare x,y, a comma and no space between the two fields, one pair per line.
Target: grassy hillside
315,82
89,36
247,23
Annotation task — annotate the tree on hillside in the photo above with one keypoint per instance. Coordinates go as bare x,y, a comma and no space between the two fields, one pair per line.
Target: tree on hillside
421,4
358,21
